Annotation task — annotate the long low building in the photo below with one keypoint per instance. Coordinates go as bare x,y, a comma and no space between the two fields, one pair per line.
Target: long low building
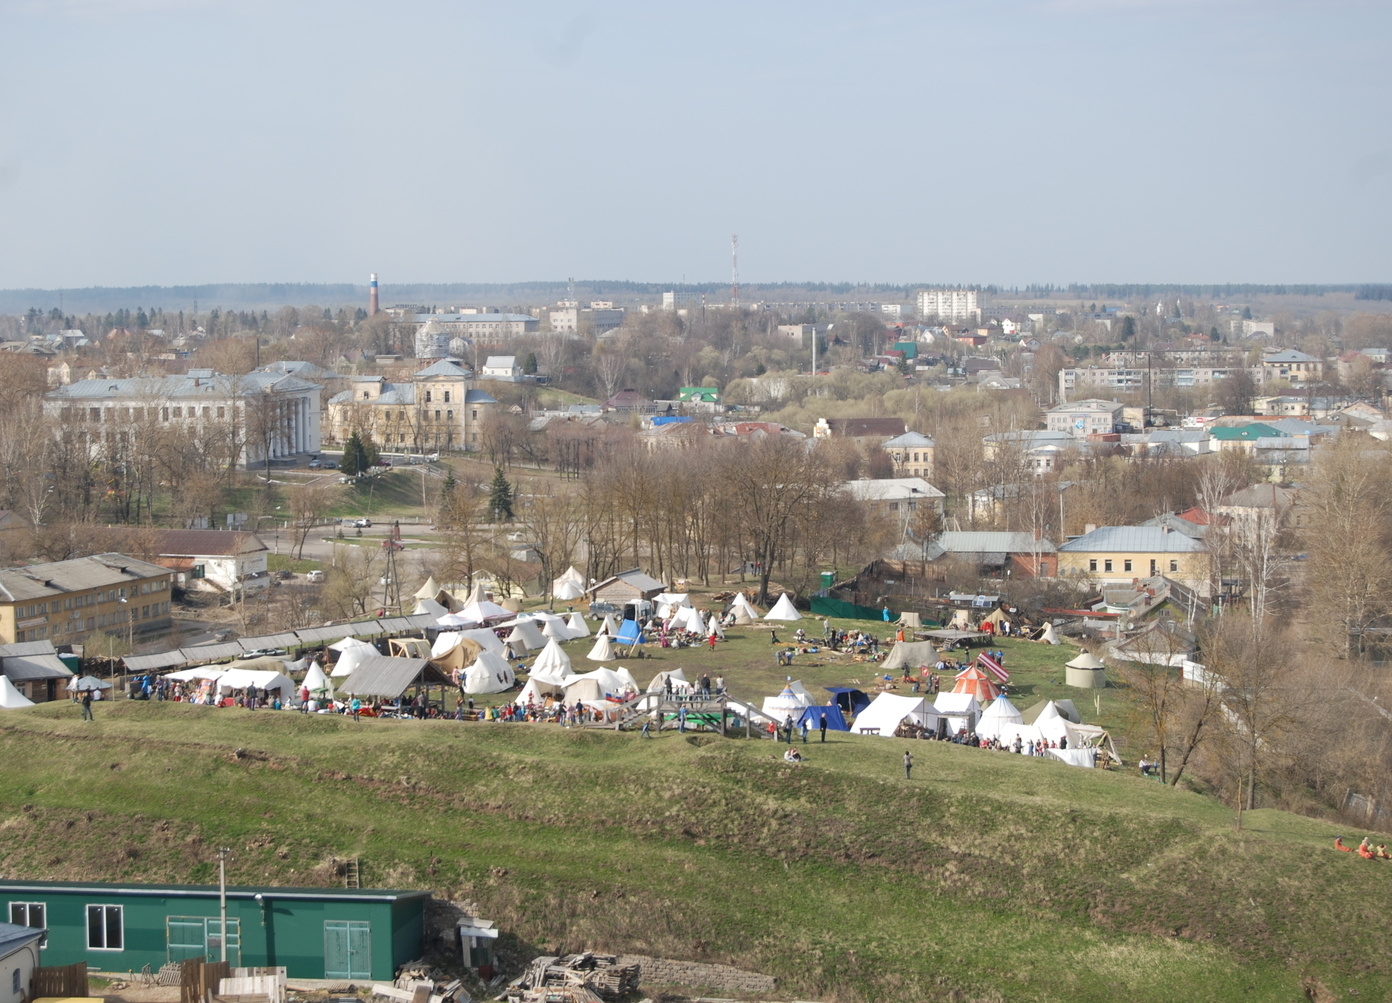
67,600
314,933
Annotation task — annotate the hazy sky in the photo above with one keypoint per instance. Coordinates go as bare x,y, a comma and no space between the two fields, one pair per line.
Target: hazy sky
1006,141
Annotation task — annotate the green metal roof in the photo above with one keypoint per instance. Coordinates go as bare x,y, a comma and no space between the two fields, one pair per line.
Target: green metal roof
1254,431
202,891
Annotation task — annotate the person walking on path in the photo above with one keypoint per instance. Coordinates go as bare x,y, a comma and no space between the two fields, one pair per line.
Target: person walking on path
908,764
87,706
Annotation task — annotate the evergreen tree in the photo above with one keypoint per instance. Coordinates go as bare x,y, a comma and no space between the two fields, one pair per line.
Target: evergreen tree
354,457
500,497
447,488
530,366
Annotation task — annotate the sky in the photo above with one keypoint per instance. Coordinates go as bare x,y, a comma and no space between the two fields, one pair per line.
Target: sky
172,142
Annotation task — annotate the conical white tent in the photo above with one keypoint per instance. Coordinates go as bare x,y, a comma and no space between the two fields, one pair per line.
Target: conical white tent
602,651
1049,636
429,590
609,627
537,690
687,618
11,698
578,627
484,638
552,665
790,702
1051,724
567,591
555,629
679,683
351,653
489,674
1085,660
668,603
316,682
594,686
997,716
429,606
714,628
741,605
525,635
783,609
629,682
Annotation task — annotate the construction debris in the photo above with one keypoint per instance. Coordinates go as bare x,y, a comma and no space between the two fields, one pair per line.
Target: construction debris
576,978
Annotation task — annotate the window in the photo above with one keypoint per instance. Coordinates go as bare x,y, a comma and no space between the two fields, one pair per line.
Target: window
31,914
1154,566
1174,565
437,415
447,396
449,415
428,397
1125,565
1106,565
1092,565
474,414
222,412
14,983
104,928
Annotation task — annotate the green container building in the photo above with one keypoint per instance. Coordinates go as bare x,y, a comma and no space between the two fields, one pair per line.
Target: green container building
315,933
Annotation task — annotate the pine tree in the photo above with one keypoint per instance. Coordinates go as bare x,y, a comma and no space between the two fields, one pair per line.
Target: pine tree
447,489
500,497
530,366
354,456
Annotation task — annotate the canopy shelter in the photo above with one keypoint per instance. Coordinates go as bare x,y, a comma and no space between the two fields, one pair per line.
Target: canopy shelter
1001,712
814,715
316,682
598,685
351,653
783,609
10,697
1046,634
603,650
552,665
525,636
954,636
263,679
959,711
890,710
197,672
80,684
385,678
851,701
490,673
454,655
484,611
658,684
976,682
578,627
408,647
910,655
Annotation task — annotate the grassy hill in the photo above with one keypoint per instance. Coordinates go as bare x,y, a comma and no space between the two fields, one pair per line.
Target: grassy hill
986,877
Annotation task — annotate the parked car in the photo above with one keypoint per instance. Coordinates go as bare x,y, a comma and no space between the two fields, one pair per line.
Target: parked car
265,652
363,523
315,464
330,464
315,577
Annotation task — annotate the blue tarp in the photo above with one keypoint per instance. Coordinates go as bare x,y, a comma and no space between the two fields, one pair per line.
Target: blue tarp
629,633
669,420
834,719
850,700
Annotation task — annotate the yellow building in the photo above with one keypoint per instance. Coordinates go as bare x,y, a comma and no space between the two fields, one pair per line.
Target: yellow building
1119,554
911,454
438,410
67,600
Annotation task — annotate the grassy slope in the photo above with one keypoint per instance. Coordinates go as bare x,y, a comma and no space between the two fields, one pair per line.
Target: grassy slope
986,877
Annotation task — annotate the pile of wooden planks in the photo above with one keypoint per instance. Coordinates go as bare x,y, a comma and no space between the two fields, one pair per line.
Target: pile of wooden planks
576,978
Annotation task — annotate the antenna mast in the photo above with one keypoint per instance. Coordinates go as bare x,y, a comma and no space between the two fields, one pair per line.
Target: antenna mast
734,270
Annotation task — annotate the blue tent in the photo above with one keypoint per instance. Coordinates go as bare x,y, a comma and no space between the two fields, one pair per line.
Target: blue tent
851,701
630,633
834,719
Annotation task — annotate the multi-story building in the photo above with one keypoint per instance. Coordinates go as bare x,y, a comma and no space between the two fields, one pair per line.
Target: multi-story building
911,454
1112,554
567,317
1132,379
953,305
1294,367
1083,418
260,416
438,409
65,601
480,325
680,299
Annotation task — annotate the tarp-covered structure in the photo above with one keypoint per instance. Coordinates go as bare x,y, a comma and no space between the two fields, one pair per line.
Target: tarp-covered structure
851,700
817,713
889,710
910,655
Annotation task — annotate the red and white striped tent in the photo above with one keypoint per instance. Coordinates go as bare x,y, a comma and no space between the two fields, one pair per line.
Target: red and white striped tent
976,682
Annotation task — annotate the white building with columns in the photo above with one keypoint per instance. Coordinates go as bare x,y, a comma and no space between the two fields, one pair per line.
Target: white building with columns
272,416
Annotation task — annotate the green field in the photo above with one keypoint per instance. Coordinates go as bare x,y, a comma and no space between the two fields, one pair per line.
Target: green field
987,877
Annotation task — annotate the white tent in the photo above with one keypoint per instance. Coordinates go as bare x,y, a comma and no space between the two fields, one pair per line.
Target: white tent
537,690
783,609
1085,660
667,603
714,628
455,620
578,627
596,686
552,665
484,638
197,672
567,591
627,678
11,698
960,709
1074,757
608,626
555,628
1001,712
911,655
525,635
679,683
1049,636
480,612
1051,724
351,652
571,578
78,684
445,642
742,605
490,673
262,679
792,700
1026,733
316,682
687,618
602,651
431,607
889,709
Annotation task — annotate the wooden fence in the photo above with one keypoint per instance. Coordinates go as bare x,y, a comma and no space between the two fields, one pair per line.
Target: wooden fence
60,981
200,979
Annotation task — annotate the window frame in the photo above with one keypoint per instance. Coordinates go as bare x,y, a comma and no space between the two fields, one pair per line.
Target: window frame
27,907
106,926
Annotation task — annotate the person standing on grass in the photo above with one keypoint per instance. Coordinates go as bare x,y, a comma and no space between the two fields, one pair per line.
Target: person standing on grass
824,717
87,706
804,728
908,764
355,708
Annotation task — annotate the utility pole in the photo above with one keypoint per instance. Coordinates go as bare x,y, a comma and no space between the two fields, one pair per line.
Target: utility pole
223,853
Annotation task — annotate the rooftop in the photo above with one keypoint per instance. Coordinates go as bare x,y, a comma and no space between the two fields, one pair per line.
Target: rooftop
193,385
910,440
40,581
204,891
1132,539
892,489
993,543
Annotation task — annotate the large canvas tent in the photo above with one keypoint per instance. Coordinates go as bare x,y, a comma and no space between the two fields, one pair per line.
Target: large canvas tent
263,679
741,605
578,627
789,703
851,700
552,665
668,603
525,636
567,591
993,719
889,710
688,618
783,609
678,678
490,673
1065,709
10,697
571,583
603,650
972,680
814,715
600,684
910,655
351,653
455,653
959,710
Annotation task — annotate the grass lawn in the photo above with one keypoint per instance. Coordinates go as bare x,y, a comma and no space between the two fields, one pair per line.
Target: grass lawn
284,562
986,877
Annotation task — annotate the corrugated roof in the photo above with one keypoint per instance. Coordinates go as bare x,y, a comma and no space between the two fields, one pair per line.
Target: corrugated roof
41,581
212,652
204,542
27,648
13,937
1243,433
148,663
24,668
205,891
910,440
1132,539
453,368
993,543
892,489
388,677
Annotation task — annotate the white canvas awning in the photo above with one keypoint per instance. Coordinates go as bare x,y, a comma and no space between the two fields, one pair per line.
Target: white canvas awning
887,712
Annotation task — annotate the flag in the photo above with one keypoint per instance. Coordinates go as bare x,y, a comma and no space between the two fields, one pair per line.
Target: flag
994,667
